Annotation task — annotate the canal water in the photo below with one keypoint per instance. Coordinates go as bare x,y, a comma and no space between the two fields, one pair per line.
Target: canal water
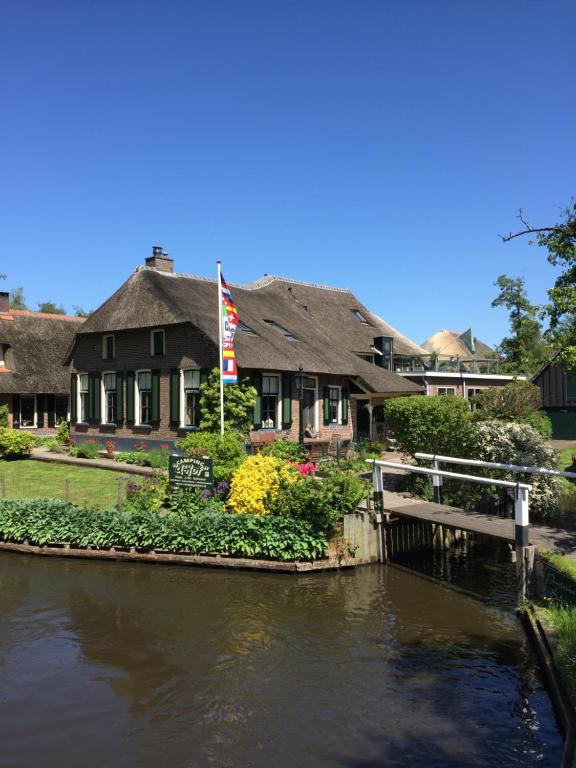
131,666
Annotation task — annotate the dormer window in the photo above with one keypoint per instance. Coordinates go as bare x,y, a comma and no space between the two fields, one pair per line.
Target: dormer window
359,316
157,343
246,329
108,347
282,331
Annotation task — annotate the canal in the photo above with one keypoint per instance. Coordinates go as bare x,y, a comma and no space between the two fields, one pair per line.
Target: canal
131,666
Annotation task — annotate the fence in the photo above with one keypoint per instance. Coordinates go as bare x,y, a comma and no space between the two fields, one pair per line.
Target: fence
101,492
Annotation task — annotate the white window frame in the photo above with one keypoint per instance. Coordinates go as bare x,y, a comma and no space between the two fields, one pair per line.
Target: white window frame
103,404
104,346
137,411
79,414
152,335
35,424
183,396
339,411
446,394
272,374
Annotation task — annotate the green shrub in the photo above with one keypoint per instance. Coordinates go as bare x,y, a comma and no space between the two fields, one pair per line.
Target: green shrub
86,450
158,458
541,423
45,521
146,494
16,442
3,415
138,458
190,501
285,450
227,451
63,433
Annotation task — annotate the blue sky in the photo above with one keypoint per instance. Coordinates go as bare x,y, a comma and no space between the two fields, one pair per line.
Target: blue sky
375,145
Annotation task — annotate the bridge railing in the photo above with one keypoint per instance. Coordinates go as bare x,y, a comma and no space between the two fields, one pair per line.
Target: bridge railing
521,490
437,459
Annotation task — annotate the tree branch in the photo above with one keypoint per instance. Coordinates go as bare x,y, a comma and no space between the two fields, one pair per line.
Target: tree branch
511,236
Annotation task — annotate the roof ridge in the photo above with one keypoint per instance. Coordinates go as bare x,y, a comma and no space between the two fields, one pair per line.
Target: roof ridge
254,285
57,315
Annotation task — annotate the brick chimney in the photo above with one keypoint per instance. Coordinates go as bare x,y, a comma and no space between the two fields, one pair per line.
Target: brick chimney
4,302
160,260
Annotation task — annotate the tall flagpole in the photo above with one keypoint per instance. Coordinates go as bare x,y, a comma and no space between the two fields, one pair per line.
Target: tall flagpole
219,263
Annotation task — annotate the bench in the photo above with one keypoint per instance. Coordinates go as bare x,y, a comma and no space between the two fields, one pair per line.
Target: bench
259,440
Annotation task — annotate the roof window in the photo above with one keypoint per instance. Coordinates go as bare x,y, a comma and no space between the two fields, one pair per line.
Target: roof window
246,329
280,330
359,316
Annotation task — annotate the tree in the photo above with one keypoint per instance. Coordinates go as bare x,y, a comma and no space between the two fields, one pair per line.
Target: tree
239,402
50,308
525,350
17,300
510,403
560,242
79,312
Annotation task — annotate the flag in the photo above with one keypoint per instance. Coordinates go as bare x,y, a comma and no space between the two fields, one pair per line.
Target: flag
229,322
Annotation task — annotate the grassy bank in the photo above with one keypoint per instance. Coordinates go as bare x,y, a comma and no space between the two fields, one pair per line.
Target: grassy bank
26,479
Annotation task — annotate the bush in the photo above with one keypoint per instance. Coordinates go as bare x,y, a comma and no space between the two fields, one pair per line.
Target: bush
285,450
440,425
227,451
147,494
257,482
138,458
513,402
239,401
86,450
3,415
45,521
541,423
63,433
16,442
190,501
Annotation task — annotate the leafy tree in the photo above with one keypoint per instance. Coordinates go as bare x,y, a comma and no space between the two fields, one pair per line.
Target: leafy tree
510,403
17,300
239,402
79,312
525,350
50,308
560,242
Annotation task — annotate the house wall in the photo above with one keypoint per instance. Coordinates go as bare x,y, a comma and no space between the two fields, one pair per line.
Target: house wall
553,383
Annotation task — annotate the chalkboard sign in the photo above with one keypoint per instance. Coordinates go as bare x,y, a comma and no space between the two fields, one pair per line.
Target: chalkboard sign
559,586
191,472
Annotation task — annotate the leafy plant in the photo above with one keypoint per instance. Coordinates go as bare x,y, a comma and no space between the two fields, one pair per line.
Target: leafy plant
63,433
517,400
190,501
227,451
15,442
147,494
239,402
3,415
285,450
87,449
257,483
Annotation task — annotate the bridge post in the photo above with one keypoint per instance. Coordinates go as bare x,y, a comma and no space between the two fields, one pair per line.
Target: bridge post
378,488
437,484
524,556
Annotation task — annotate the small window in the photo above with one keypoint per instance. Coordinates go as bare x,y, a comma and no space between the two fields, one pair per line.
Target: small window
270,401
110,398
27,410
157,343
191,383
60,409
144,383
282,331
446,391
246,329
359,316
83,396
334,405
108,347
471,393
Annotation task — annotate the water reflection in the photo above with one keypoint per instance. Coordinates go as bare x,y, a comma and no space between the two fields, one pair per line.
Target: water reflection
127,665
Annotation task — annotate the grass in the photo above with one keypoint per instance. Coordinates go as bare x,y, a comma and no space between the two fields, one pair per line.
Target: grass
563,622
565,458
28,479
565,564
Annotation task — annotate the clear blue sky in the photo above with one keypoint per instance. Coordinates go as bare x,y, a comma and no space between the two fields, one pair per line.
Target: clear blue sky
373,144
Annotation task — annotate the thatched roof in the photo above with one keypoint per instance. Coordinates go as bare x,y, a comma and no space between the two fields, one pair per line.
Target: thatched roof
328,334
35,345
455,344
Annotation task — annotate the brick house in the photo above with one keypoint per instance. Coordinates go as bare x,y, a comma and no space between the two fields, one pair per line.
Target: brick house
34,383
137,363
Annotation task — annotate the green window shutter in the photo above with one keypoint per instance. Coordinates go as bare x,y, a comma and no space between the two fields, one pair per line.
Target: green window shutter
40,401
326,406
73,398
130,383
94,398
119,398
257,383
51,410
286,401
345,406
174,397
155,378
571,386
16,411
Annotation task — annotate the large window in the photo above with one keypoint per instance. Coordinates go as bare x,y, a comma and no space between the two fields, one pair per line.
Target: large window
83,397
144,384
472,392
108,347
270,401
27,410
450,391
334,405
110,404
60,409
157,343
191,385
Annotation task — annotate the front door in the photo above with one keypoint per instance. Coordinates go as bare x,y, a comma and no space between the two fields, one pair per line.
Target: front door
309,408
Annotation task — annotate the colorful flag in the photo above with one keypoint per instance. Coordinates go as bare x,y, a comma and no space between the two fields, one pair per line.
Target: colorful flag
229,322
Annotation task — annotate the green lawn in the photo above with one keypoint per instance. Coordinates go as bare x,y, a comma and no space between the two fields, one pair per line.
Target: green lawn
565,458
28,479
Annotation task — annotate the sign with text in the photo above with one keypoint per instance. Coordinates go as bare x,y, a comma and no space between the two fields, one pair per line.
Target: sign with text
191,472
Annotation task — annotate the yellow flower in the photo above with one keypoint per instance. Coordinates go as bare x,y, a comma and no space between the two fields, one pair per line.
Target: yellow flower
258,479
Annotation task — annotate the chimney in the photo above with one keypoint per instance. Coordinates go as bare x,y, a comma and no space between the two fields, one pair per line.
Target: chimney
4,302
160,260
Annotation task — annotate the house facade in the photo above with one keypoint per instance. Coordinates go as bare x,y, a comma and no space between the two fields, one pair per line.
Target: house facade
558,388
34,383
138,362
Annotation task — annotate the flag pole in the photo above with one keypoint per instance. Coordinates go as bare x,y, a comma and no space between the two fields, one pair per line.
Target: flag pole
219,263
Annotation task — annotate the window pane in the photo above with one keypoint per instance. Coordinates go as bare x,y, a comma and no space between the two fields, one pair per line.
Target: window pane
270,385
83,382
145,407
111,407
158,342
192,379
60,409
144,380
27,409
192,414
109,381
269,411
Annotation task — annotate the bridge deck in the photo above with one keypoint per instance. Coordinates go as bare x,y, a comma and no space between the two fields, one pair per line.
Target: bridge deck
543,537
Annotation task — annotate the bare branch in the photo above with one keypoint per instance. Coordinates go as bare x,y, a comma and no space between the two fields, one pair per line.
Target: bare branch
529,230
